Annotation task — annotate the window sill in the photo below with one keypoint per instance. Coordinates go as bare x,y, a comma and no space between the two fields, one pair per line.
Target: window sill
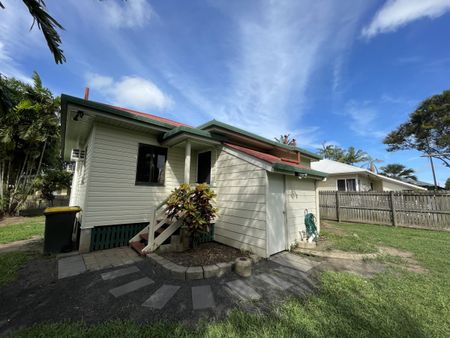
147,184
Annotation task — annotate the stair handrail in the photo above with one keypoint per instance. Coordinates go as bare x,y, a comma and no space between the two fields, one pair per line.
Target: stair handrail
151,228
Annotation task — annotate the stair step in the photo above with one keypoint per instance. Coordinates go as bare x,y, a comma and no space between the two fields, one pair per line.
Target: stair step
144,236
138,246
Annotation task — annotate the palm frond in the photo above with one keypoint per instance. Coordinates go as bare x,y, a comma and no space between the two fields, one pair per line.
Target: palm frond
48,25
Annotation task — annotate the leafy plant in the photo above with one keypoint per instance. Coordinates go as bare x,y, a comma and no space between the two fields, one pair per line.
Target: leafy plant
194,204
398,171
427,130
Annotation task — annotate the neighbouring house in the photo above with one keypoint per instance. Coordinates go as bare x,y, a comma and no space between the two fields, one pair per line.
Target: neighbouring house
345,177
128,162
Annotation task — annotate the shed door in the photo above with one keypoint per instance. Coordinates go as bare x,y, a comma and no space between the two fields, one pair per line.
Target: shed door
276,225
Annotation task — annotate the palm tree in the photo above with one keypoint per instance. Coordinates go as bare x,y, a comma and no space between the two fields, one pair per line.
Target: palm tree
332,152
398,171
286,139
47,24
370,163
353,156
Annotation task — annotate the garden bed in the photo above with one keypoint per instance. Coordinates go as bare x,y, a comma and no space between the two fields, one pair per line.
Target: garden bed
205,254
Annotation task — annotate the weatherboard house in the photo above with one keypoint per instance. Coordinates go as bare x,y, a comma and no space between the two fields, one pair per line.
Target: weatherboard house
128,162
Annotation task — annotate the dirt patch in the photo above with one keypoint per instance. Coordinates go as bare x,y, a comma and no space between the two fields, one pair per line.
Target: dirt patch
406,259
35,243
12,220
205,254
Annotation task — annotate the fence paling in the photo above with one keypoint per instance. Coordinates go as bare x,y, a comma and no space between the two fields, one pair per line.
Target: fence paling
404,208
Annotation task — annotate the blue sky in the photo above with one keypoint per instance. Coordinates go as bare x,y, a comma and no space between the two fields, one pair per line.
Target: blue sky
342,72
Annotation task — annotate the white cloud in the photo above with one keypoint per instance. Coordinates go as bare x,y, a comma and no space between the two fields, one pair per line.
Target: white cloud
127,14
16,39
276,50
397,13
130,91
362,119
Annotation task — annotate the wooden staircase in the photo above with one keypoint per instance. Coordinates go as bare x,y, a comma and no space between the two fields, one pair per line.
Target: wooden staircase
158,232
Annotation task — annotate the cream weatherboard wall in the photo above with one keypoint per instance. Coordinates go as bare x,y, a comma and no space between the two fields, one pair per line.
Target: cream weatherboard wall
81,174
112,197
241,199
301,195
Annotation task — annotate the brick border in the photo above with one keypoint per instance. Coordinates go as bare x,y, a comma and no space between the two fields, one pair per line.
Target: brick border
196,272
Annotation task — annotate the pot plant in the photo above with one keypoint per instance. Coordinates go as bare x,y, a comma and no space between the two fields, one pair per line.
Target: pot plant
194,204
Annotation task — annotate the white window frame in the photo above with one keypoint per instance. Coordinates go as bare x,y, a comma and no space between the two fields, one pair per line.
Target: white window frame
357,185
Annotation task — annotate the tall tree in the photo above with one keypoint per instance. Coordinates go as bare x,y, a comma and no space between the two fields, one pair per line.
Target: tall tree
371,163
427,130
332,152
29,139
349,156
398,171
47,24
353,156
447,184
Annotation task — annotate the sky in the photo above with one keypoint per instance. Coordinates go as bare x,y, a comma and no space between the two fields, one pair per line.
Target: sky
335,72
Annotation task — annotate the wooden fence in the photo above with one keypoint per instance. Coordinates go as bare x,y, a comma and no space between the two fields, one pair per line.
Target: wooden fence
430,210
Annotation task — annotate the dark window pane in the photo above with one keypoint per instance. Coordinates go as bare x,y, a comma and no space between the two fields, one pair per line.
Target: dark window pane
204,168
341,185
351,185
151,164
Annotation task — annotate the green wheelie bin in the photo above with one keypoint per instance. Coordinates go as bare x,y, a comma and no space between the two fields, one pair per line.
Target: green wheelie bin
61,229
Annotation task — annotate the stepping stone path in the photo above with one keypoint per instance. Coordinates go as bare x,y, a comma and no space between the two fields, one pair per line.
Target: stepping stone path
291,274
294,261
202,297
119,273
70,266
130,287
243,290
161,296
274,281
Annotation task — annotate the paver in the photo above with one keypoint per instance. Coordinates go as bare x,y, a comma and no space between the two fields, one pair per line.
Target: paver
194,272
210,271
243,290
294,261
160,298
119,273
202,297
70,266
274,281
130,287
224,268
291,272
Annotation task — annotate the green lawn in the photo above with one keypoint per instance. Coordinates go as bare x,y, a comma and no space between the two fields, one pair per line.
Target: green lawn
10,263
395,303
34,226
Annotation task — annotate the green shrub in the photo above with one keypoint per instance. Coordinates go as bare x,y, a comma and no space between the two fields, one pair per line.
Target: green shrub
194,204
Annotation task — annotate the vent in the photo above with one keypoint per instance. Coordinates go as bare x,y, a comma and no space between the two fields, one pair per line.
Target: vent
77,155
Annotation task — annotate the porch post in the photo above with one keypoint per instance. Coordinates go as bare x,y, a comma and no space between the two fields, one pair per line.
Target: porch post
187,162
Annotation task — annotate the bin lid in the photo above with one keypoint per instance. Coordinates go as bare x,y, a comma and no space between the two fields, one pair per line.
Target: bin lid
55,210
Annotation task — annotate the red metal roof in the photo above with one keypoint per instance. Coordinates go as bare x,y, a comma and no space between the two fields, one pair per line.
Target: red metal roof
153,117
272,159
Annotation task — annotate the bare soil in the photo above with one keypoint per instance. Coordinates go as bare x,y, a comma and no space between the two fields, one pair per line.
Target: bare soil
8,220
205,254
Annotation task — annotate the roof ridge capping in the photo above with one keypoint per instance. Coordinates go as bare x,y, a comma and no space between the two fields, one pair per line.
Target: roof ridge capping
237,130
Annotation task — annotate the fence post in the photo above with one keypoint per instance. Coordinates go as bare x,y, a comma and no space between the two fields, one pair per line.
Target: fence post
392,205
338,212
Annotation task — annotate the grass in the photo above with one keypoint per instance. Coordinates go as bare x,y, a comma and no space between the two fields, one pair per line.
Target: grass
395,303
34,226
10,263
348,242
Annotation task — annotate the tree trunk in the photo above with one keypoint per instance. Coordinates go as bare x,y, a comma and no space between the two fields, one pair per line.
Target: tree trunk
30,184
